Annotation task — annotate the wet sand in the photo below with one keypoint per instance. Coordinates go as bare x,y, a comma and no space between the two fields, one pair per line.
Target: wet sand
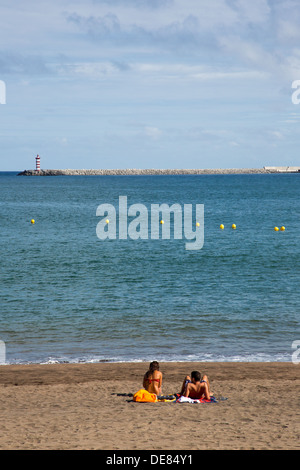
86,406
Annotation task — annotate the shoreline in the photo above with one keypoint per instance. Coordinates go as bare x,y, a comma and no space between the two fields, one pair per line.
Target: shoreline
153,171
135,361
88,406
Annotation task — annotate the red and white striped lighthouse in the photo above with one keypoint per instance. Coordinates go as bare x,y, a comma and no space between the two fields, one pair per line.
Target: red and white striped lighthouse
38,163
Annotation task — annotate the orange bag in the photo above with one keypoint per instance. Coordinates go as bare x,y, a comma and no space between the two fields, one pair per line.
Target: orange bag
144,396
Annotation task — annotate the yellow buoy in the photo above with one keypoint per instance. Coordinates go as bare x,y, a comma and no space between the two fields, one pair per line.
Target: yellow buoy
197,224
282,229
107,221
32,221
162,222
233,226
276,229
221,226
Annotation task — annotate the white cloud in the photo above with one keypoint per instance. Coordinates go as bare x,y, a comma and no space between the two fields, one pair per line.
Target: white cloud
94,70
153,132
276,134
256,11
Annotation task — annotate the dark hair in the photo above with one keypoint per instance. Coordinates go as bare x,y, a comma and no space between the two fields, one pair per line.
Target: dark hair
153,366
196,375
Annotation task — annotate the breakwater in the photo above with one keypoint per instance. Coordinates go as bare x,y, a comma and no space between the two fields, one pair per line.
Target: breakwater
153,171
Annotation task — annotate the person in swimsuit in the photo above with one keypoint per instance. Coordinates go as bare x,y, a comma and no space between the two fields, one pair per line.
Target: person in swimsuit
195,386
153,379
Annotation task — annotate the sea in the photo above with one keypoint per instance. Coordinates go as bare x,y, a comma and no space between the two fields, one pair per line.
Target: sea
67,296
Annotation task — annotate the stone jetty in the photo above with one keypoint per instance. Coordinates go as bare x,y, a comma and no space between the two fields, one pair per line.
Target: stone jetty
133,171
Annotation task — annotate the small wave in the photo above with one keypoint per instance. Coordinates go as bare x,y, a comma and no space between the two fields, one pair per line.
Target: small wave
259,357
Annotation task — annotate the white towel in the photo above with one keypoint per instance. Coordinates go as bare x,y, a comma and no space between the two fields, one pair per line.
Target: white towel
183,399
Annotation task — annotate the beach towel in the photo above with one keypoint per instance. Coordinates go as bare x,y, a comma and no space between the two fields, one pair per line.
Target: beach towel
144,396
166,398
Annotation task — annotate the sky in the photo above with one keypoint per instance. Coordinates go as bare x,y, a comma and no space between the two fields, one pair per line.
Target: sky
149,83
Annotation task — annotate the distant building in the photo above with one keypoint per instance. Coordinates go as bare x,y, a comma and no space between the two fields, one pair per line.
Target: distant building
282,169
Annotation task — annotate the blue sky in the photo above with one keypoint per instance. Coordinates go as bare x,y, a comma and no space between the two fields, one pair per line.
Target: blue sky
149,83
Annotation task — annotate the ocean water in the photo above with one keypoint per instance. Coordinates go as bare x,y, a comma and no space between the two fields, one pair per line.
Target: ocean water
67,296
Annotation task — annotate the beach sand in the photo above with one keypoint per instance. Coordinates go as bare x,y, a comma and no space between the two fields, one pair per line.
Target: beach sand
85,406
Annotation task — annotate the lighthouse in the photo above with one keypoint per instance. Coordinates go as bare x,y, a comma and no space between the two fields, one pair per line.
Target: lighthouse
38,163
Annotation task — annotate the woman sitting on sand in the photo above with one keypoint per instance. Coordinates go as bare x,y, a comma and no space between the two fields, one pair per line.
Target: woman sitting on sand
153,379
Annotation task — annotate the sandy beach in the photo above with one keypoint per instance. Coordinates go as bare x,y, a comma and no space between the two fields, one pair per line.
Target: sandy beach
86,406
